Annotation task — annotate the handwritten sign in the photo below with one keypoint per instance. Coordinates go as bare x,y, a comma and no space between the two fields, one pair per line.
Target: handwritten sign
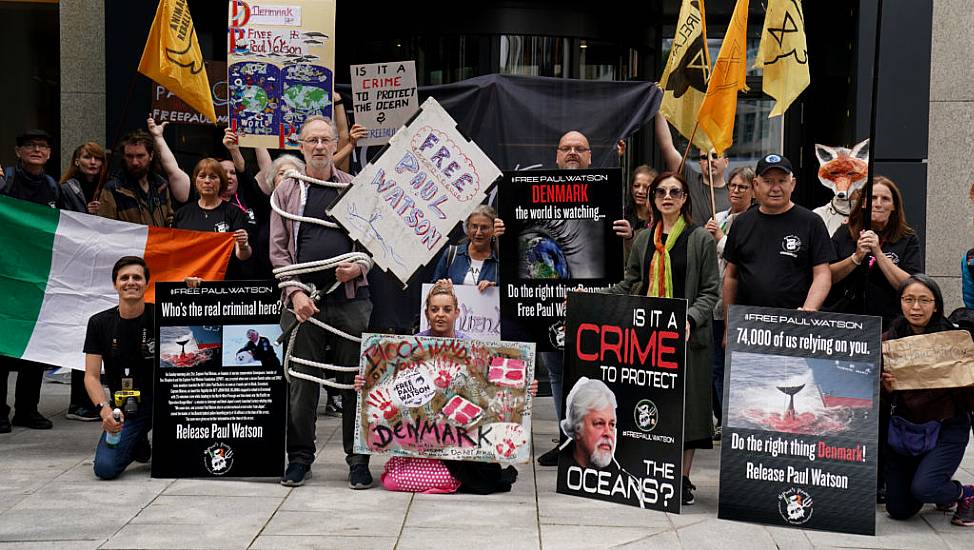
385,97
402,206
445,398
928,361
480,312
281,59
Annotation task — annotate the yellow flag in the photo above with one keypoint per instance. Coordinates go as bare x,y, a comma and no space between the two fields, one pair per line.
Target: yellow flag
720,106
783,53
172,57
684,80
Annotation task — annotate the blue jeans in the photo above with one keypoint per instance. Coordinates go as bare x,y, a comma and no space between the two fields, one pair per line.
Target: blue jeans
110,462
718,370
554,362
912,481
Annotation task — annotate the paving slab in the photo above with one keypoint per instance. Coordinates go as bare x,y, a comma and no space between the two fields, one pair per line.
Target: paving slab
329,542
490,536
587,537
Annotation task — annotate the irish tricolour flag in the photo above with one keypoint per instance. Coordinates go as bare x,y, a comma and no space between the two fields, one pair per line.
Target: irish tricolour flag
56,271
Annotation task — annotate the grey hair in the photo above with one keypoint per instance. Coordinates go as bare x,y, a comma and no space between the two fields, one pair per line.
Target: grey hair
276,165
587,395
329,121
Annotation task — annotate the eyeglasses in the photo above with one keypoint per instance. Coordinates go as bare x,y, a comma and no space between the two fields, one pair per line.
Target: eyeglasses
579,150
36,145
318,141
911,300
675,192
474,228
739,188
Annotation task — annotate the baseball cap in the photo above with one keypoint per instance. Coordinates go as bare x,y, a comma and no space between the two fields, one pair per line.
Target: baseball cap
773,161
33,134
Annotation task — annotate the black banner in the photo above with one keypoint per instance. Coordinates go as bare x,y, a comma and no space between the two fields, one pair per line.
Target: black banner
801,403
624,398
220,395
559,235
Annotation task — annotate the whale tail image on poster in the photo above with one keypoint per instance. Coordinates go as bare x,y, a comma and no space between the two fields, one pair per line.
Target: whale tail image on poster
193,346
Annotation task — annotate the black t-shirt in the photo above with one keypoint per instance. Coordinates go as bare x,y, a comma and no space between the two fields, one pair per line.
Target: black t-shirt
774,256
255,206
881,296
222,219
316,242
124,344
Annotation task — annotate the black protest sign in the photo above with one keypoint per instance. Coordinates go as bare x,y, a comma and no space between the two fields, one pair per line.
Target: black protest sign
801,402
558,236
220,395
624,385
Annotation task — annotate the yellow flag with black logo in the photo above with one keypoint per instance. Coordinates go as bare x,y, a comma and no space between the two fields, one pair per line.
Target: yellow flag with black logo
173,59
729,75
684,80
783,53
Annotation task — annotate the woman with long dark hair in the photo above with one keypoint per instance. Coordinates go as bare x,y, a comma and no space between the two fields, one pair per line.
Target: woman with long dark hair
676,259
918,476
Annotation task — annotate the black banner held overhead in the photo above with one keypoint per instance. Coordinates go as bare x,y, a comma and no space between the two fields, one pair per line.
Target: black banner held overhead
220,395
801,403
624,381
558,236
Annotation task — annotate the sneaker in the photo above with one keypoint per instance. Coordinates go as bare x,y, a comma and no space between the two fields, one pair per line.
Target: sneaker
717,433
359,476
946,507
5,425
688,489
82,414
550,458
881,495
33,420
964,515
296,474
333,408
143,451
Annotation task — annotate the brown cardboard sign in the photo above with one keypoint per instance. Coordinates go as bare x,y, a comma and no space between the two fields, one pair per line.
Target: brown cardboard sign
929,361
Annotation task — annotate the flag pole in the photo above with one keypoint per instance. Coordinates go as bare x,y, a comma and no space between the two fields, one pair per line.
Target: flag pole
683,161
710,177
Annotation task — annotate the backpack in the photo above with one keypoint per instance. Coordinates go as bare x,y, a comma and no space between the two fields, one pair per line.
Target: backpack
964,319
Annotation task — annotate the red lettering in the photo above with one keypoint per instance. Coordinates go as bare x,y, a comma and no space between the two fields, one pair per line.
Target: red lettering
616,347
662,348
578,342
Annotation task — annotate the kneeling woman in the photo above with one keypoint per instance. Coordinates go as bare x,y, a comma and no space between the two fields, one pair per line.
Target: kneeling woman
677,259
430,475
916,476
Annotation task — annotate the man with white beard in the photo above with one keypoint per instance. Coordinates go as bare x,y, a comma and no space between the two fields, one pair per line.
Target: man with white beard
591,422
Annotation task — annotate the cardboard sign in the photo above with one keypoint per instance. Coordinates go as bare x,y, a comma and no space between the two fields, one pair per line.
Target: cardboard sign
385,97
281,62
220,403
559,236
167,107
403,206
480,312
624,386
445,398
929,361
800,434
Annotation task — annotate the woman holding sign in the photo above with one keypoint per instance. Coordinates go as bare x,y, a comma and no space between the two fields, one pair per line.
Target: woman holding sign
929,429
430,475
677,259
474,260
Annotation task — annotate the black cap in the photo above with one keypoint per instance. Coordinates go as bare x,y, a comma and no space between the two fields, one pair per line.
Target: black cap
773,161
33,134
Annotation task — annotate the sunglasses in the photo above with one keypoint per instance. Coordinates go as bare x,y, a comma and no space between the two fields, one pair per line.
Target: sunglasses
675,193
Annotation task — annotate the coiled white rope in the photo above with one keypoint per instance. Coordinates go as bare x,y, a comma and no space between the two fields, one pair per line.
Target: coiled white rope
285,273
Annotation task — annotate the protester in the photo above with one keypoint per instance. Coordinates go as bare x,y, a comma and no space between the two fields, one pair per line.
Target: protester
347,309
778,253
740,195
81,184
918,476
428,475
244,194
212,213
881,256
711,167
27,181
122,339
677,259
80,188
637,209
272,177
139,194
474,260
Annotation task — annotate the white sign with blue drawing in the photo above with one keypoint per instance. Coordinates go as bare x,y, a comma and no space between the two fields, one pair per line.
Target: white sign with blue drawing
402,206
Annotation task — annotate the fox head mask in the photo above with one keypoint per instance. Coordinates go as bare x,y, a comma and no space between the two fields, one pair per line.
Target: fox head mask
843,170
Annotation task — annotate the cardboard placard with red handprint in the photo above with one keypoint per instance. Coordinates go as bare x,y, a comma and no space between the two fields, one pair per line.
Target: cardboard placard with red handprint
445,398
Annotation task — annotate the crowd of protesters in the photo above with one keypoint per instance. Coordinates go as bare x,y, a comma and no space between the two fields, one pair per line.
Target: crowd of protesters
711,238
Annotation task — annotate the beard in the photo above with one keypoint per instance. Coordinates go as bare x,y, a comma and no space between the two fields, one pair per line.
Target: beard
136,173
600,458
